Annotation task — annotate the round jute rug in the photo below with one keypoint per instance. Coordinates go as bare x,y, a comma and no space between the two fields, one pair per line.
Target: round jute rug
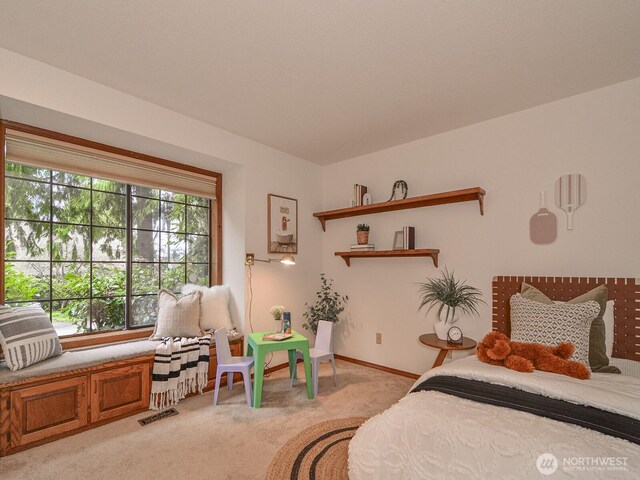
319,452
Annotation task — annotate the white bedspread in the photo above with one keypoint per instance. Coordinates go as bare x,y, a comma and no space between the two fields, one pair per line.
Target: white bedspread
432,435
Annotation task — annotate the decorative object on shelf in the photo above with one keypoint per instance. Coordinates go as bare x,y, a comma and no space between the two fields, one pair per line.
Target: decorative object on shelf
362,233
286,324
454,196
451,293
282,224
276,311
543,225
398,240
359,191
454,336
399,191
408,238
571,193
366,199
328,306
367,247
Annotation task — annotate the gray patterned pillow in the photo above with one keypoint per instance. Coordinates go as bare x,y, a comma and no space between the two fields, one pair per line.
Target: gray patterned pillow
27,336
177,318
552,324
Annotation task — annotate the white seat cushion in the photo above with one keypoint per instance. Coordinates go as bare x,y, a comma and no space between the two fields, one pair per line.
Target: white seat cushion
76,359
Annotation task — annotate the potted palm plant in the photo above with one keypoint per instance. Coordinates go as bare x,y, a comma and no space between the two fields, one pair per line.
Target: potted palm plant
452,297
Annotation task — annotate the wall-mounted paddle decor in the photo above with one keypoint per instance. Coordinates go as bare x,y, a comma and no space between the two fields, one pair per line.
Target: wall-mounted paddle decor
571,193
543,225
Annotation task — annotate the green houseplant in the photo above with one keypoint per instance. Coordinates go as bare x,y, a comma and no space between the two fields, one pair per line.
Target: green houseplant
451,296
329,304
362,233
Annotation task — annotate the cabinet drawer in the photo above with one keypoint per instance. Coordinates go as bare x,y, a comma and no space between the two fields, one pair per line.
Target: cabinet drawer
46,410
119,391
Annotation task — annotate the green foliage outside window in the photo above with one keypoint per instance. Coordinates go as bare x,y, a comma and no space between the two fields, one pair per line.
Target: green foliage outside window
66,242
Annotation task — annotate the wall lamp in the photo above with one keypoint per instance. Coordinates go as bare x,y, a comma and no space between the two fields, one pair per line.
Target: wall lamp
250,259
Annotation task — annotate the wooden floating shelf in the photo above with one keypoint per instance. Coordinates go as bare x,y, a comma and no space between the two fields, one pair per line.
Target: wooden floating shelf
455,196
431,252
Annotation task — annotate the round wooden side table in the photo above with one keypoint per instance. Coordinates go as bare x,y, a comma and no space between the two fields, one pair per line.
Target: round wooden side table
432,340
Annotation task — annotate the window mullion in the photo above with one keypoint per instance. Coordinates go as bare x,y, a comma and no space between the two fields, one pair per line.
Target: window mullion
91,258
51,246
129,253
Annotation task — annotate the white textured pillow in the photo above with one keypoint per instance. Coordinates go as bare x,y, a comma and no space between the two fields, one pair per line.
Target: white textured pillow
177,318
215,306
552,324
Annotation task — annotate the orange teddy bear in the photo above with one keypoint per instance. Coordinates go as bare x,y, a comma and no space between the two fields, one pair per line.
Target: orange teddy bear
497,349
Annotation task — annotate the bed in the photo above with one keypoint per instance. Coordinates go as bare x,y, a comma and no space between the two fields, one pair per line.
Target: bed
468,419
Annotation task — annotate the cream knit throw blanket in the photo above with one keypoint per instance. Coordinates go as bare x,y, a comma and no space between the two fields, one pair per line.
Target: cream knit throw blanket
180,367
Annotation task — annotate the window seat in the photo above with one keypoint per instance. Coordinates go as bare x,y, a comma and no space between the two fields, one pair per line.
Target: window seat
81,389
80,358
86,357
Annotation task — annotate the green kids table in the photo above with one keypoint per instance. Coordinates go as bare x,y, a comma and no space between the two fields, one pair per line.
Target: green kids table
259,347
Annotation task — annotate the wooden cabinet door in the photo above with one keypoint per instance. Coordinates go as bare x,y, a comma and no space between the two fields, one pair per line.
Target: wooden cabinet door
119,391
46,410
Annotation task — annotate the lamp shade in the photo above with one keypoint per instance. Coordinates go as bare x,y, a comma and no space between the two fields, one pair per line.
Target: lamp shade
288,260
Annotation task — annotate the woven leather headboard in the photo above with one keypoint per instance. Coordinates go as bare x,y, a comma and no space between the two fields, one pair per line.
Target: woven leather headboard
625,292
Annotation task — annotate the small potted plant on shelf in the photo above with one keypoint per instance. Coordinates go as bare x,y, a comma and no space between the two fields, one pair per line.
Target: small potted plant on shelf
452,296
362,232
328,306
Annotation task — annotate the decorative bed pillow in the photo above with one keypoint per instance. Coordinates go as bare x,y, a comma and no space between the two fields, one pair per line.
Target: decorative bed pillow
215,306
27,336
609,328
552,324
177,318
598,357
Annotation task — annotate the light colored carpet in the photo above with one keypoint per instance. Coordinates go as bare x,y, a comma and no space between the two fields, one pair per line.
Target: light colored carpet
228,441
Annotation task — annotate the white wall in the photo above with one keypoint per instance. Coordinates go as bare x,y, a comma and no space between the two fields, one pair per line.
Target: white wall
39,94
513,157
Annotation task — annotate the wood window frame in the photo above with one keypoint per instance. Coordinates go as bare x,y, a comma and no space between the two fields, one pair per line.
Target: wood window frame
215,221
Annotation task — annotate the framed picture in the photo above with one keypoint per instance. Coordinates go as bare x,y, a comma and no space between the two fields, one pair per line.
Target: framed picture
282,224
398,240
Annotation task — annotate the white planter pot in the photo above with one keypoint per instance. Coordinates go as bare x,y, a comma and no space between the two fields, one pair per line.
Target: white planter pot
442,326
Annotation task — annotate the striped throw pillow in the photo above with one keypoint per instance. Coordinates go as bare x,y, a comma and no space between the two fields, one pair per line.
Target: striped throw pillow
27,336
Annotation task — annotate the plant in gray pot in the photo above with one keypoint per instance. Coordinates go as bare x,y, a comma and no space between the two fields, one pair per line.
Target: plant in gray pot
452,297
329,304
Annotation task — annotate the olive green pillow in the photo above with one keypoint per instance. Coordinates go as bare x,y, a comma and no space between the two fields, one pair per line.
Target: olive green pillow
598,359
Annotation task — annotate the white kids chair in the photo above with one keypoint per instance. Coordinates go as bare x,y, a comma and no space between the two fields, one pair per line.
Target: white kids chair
321,352
229,365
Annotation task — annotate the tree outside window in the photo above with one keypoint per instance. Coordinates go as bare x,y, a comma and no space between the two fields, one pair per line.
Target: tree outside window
94,252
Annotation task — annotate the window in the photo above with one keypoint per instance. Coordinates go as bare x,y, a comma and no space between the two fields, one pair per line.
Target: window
94,252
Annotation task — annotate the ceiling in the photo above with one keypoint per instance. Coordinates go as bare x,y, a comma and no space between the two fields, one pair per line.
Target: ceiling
334,79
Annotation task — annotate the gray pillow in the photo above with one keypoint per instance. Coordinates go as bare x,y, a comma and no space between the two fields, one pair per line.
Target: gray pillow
598,360
177,318
537,322
27,336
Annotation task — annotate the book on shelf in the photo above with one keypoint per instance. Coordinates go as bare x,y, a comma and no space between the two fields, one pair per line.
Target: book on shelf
408,238
358,193
368,246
